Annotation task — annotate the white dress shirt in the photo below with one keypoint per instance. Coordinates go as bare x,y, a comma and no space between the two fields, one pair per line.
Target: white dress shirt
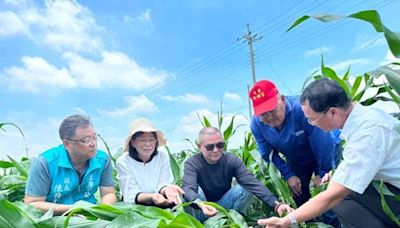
372,150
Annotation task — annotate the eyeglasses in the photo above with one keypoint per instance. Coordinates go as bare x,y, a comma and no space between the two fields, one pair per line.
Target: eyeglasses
86,140
145,141
315,121
219,145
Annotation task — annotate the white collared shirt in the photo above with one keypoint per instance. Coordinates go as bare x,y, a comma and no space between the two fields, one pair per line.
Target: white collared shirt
372,150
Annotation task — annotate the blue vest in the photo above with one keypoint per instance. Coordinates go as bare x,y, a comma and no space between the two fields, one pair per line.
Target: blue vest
65,187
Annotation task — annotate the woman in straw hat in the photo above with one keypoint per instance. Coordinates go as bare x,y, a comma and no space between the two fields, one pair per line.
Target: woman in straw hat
144,173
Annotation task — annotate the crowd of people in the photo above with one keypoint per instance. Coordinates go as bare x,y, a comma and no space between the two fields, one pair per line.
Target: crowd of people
302,136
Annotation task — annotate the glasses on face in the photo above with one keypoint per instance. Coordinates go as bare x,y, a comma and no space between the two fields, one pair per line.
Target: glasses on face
86,140
315,121
219,145
145,141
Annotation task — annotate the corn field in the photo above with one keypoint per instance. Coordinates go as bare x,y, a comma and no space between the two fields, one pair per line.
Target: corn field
13,174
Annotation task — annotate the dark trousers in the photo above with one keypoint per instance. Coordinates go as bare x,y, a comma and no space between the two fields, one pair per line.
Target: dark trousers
304,173
365,210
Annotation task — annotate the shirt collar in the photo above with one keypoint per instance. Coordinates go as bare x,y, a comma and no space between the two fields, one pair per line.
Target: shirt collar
349,125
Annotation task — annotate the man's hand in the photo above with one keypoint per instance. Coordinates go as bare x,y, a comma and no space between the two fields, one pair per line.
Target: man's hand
208,210
327,177
173,194
295,185
273,222
317,181
159,200
283,208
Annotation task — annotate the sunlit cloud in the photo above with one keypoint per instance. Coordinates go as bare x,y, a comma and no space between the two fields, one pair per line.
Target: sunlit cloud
232,96
134,105
187,98
11,24
362,45
317,51
36,74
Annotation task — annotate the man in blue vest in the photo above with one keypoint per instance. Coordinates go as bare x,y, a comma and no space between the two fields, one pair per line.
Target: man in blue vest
73,171
279,126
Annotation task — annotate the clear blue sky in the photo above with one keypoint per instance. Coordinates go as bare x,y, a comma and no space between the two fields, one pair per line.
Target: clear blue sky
164,60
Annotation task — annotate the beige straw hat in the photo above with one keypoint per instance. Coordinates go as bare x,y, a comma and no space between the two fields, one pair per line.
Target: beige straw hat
143,125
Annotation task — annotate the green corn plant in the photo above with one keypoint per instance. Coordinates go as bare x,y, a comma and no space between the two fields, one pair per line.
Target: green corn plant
20,131
370,16
176,168
280,185
385,192
114,163
389,71
225,218
228,132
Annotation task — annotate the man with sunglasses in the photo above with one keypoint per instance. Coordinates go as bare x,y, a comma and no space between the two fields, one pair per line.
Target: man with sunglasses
279,126
73,171
207,176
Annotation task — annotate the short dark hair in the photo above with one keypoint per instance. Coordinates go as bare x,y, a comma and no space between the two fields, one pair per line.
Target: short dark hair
69,125
325,93
132,150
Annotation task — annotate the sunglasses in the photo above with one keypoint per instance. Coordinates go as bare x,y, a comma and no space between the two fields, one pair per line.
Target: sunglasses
219,145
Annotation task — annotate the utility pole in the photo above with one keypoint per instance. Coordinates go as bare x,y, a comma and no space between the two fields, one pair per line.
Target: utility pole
250,39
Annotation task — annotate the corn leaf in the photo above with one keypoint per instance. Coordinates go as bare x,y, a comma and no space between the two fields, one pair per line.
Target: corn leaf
280,185
330,73
298,21
184,220
134,219
12,216
6,164
23,170
356,85
370,16
237,218
74,222
176,170
386,207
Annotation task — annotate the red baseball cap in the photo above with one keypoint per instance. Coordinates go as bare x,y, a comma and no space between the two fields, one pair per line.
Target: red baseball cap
264,96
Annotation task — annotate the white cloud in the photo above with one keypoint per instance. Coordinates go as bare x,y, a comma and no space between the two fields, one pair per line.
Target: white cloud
351,62
61,25
362,45
115,69
145,16
317,51
15,2
188,98
36,74
232,96
69,26
135,105
11,24
190,124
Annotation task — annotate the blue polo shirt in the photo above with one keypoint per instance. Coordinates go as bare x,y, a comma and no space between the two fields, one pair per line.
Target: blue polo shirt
300,143
52,175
